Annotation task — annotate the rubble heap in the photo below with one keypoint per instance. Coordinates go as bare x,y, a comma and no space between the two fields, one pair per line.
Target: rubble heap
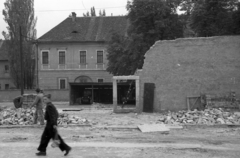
207,116
65,118
25,117
14,117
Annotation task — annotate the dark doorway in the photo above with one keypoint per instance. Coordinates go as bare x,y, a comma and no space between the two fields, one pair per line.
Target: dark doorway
89,92
148,97
100,92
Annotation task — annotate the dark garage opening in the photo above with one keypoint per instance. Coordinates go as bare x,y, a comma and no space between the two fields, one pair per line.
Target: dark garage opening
89,92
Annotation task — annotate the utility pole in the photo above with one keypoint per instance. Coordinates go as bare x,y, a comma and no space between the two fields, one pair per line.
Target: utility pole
37,63
21,59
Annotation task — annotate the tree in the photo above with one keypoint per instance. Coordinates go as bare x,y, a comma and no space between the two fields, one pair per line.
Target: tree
102,13
20,14
186,6
93,13
236,19
87,14
117,53
213,17
150,21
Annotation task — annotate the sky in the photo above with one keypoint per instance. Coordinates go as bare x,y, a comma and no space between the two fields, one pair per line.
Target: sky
50,13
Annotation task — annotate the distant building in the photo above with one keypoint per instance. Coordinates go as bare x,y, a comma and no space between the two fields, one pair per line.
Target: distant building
75,51
5,79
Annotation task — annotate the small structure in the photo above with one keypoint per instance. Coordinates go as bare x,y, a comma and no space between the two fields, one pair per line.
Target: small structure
115,94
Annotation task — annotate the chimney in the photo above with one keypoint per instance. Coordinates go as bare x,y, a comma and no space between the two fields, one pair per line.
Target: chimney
74,16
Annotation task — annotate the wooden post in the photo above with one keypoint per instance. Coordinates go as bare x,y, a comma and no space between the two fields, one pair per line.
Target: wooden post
137,95
92,95
114,95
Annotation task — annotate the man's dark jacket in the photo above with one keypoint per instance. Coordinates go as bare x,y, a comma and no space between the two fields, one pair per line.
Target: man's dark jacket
51,114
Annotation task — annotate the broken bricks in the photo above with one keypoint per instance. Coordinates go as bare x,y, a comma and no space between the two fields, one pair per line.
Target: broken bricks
25,117
207,116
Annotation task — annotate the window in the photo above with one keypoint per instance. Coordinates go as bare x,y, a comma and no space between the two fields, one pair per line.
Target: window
100,80
45,57
6,69
62,83
99,57
6,86
62,57
83,57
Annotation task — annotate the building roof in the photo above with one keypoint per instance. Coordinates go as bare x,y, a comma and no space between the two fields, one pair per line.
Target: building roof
3,50
86,29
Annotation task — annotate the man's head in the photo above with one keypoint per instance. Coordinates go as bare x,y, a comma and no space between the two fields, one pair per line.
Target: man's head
38,90
47,99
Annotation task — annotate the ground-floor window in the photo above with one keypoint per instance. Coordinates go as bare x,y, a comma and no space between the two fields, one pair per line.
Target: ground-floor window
6,68
62,83
100,80
6,86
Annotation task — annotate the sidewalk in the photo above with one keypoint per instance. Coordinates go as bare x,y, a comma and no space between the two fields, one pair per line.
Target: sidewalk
118,150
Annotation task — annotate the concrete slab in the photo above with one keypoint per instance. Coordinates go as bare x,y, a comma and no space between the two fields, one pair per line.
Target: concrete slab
153,128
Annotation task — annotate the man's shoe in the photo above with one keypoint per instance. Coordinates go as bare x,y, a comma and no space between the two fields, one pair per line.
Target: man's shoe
67,151
41,153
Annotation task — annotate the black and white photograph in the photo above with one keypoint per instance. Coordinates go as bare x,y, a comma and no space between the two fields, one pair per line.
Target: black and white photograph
120,78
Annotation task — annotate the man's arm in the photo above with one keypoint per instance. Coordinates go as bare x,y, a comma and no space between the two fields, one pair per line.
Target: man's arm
51,115
35,101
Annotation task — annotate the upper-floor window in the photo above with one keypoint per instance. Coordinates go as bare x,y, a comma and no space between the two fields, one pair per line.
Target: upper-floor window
45,57
62,57
83,57
6,68
100,57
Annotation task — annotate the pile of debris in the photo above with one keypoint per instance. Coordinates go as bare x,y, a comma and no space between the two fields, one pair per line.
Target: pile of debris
207,116
16,117
65,118
25,117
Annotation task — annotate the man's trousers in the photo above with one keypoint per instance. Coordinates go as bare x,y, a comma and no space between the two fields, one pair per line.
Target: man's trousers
49,133
38,116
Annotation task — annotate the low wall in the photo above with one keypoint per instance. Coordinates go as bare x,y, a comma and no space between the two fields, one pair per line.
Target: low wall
189,67
57,94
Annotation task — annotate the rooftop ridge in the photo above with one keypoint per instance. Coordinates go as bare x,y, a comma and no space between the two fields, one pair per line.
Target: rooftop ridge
97,16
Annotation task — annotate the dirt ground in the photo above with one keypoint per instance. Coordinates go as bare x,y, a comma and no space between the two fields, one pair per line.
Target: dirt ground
99,141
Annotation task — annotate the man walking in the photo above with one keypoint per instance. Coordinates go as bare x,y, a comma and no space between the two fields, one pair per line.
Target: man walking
51,116
38,115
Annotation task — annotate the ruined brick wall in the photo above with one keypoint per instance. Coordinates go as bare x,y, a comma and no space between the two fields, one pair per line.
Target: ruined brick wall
189,67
